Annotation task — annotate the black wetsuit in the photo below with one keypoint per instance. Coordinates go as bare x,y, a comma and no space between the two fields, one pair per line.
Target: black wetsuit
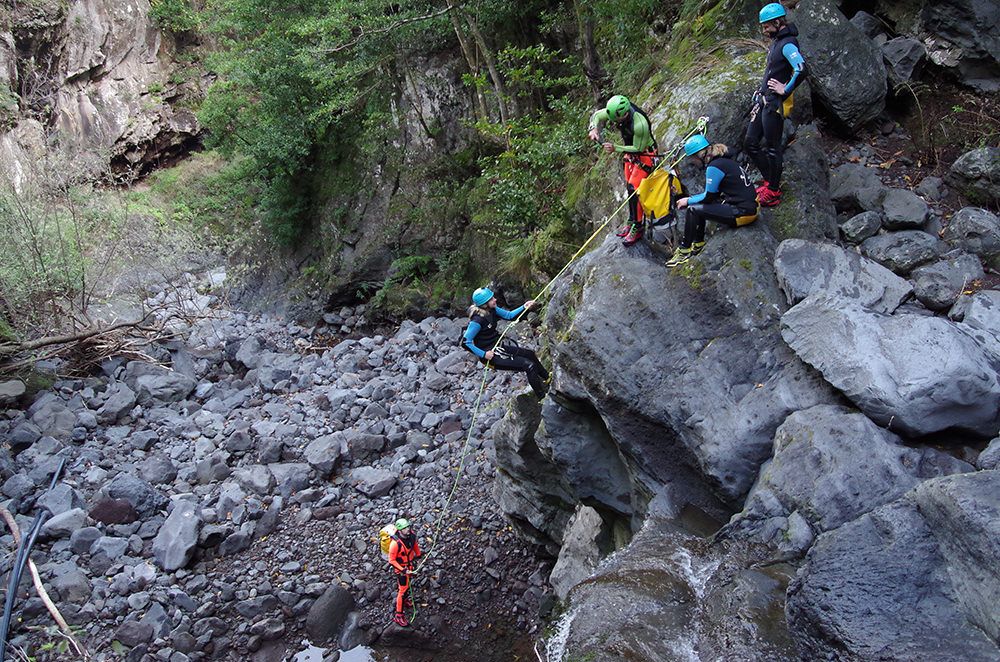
481,336
785,64
728,195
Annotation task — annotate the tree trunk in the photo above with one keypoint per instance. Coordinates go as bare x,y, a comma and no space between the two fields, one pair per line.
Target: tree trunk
596,75
470,60
501,90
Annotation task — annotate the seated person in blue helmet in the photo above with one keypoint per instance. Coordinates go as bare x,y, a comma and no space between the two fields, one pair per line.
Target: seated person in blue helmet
481,337
728,197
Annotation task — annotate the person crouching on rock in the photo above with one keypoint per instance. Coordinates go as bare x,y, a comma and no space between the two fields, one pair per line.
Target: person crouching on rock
481,337
728,197
403,549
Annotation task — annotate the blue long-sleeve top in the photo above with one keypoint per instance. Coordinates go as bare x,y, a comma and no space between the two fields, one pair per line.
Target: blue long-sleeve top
474,327
713,179
794,57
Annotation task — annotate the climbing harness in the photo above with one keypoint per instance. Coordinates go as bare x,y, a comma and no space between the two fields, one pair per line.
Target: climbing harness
699,128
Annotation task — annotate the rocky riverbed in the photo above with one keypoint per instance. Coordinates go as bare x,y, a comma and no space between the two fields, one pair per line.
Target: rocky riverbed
222,503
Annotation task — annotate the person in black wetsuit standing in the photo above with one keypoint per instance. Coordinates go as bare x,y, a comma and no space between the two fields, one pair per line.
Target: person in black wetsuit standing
773,101
728,197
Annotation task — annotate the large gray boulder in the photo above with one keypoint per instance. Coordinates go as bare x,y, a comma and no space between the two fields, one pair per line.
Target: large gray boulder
805,211
911,373
861,226
831,464
975,230
989,458
691,393
154,384
328,614
902,251
174,544
580,552
529,487
976,175
913,580
903,210
903,57
805,268
854,188
373,482
965,36
939,284
142,496
53,418
646,602
325,453
120,400
852,88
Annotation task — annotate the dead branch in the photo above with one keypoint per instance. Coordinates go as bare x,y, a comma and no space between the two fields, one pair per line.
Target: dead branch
40,588
30,345
389,28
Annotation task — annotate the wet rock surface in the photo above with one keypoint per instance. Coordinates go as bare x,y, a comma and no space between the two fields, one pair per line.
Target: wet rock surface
919,567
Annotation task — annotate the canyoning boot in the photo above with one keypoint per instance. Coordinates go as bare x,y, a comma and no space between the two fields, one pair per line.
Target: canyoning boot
624,230
401,620
697,247
407,602
680,256
768,197
634,235
760,186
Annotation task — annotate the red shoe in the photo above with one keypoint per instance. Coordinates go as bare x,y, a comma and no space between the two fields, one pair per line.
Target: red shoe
634,235
760,187
401,620
769,197
407,602
624,231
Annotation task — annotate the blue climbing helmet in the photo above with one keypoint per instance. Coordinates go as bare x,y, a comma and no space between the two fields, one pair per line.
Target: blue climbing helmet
618,107
771,11
695,144
481,296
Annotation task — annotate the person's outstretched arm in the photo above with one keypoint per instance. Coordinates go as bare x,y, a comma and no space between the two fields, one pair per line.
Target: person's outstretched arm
713,178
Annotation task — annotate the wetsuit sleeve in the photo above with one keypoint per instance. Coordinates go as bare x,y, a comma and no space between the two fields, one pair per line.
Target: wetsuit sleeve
509,314
794,57
394,556
470,337
642,137
598,119
713,179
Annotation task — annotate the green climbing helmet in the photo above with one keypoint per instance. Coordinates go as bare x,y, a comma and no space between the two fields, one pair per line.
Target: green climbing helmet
482,296
695,144
771,12
402,524
618,107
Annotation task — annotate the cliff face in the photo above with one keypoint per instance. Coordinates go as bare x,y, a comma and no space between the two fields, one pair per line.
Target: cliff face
782,379
97,76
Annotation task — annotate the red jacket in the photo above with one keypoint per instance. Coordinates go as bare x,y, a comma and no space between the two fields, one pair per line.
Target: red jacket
401,556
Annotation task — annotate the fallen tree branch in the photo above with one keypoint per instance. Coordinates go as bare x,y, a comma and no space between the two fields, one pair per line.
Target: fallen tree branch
40,588
29,345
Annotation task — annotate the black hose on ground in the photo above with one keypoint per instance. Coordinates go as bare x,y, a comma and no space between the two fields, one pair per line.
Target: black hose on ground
21,560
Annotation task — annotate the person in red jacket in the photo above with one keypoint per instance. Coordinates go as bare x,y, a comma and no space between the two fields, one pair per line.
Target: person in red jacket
403,549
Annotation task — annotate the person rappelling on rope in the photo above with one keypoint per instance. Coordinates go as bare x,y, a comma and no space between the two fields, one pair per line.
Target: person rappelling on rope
773,101
481,337
403,549
639,148
728,197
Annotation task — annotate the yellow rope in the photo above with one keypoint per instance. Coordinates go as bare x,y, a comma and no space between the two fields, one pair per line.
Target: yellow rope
699,128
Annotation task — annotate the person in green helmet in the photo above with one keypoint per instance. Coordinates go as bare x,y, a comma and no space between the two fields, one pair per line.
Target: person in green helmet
403,550
639,147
